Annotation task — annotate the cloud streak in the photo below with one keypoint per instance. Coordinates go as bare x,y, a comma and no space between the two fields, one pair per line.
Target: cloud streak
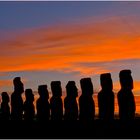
89,47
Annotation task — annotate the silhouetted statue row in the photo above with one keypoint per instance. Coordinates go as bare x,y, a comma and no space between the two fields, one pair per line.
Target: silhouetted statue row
54,108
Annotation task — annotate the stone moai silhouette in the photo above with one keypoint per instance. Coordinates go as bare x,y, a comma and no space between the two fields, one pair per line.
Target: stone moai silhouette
106,98
43,106
86,102
29,110
5,108
16,100
125,96
56,101
70,103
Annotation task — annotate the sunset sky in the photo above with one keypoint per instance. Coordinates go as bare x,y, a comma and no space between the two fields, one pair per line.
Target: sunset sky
46,41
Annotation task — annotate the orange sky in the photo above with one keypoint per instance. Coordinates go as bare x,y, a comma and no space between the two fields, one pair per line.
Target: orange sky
89,47
65,47
47,41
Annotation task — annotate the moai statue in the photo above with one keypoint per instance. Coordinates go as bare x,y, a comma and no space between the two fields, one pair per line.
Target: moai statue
29,110
43,106
126,99
106,98
56,101
86,102
70,103
16,100
5,108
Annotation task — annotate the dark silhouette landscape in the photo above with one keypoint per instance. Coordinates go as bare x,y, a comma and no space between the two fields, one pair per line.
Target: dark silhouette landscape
74,122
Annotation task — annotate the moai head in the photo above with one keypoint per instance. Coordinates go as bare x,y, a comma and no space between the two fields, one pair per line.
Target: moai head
18,85
56,88
43,92
126,79
71,89
106,81
5,97
86,86
29,95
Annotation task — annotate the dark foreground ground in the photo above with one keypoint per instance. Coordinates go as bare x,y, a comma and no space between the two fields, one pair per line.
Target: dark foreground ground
94,129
